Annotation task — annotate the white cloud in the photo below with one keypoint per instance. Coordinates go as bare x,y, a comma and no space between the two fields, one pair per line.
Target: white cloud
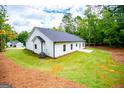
24,17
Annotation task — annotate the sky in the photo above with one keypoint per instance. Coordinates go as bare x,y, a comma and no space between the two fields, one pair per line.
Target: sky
25,17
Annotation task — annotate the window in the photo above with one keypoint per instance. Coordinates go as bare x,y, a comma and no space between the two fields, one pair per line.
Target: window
76,44
35,46
64,47
71,46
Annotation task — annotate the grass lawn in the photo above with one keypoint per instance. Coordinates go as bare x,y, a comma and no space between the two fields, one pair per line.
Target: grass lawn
96,69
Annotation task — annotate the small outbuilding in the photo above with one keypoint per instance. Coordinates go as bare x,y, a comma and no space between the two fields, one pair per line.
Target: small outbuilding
53,43
15,44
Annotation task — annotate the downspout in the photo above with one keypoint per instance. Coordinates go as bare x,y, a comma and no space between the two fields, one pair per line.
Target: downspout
53,49
41,46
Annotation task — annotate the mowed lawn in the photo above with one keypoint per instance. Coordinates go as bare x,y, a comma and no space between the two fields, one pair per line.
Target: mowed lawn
96,69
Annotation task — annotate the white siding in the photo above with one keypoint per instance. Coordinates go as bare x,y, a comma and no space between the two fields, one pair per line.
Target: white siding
49,49
8,44
19,45
47,46
59,48
37,42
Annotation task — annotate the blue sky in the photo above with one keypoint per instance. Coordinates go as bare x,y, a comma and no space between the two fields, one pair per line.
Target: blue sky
25,17
48,10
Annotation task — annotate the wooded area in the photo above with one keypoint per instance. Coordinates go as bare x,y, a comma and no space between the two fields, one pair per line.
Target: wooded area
101,25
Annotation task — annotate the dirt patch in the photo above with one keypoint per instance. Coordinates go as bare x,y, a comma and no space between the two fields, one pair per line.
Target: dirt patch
19,77
117,53
119,86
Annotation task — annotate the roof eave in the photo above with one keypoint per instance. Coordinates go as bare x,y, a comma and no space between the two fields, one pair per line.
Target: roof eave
68,41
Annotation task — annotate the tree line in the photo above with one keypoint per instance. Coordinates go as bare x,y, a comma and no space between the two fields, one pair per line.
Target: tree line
101,25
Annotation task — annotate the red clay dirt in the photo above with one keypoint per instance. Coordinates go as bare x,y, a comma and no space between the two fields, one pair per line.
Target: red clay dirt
117,53
19,77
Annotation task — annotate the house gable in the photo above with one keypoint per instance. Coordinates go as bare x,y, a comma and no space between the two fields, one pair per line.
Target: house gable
36,33
48,45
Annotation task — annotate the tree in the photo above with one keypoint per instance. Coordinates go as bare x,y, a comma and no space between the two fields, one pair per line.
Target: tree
22,37
54,28
10,33
2,31
6,31
100,25
77,21
118,12
81,27
91,20
121,37
68,22
109,25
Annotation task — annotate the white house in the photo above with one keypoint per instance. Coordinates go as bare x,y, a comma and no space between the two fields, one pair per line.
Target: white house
15,44
53,43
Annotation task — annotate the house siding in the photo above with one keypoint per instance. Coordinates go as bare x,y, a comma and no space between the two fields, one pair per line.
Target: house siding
18,45
59,47
50,48
38,43
47,46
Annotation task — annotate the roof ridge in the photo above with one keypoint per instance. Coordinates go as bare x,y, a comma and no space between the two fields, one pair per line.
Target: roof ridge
55,30
58,36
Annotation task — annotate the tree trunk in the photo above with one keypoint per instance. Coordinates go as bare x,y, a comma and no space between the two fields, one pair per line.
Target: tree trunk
110,41
110,44
89,41
2,42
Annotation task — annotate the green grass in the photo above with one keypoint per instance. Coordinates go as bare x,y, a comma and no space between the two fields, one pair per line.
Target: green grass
91,69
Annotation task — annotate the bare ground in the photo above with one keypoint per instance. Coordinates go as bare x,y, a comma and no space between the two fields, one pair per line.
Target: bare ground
117,53
19,77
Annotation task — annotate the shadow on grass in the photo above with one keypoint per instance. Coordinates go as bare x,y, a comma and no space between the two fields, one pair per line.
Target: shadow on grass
31,53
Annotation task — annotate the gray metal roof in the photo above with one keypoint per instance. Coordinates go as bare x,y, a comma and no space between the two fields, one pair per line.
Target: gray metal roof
14,42
57,36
